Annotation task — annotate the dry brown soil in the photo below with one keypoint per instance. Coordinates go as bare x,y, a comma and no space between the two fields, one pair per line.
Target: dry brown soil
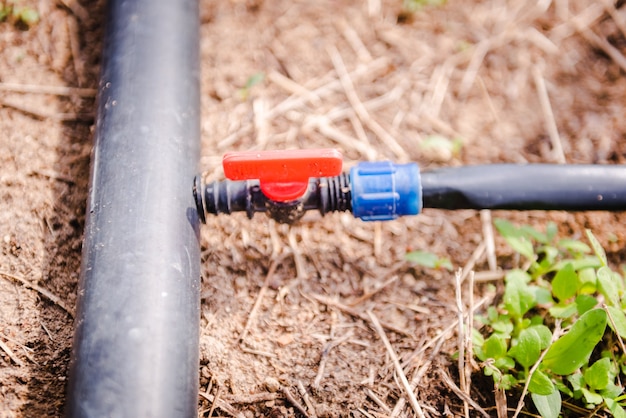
289,314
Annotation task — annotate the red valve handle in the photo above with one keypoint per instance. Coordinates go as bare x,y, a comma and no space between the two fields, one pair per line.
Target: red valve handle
283,175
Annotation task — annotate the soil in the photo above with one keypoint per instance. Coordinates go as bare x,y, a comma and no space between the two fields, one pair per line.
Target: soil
289,313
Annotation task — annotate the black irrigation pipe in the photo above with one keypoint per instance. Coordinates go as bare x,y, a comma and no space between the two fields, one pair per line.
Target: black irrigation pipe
576,187
135,348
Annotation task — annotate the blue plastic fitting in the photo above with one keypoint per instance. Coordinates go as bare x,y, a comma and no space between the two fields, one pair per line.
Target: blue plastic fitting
382,191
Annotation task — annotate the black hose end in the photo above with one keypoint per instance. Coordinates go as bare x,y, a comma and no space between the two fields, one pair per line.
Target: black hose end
197,196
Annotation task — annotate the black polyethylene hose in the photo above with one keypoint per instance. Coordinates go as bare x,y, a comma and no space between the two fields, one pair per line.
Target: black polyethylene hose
526,187
135,348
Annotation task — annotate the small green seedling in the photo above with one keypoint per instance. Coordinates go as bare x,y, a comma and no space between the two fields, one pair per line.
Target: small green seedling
13,12
428,260
559,329
412,6
253,80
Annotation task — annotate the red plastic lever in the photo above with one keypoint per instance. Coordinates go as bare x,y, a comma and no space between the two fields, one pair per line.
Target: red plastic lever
283,175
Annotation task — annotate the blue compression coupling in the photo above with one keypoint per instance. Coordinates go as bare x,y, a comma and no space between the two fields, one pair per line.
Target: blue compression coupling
382,191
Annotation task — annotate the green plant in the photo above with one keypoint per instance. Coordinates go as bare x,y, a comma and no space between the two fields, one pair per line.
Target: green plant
412,6
253,80
428,260
12,11
558,331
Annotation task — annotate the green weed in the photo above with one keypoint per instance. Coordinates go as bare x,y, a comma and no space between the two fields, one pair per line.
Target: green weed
21,15
558,331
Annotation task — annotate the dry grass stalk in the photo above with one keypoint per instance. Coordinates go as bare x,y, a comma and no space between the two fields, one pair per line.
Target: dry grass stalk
478,252
307,400
294,88
480,52
370,394
417,376
461,394
259,298
44,292
294,102
216,399
324,127
11,354
324,357
584,19
261,122
42,115
605,46
437,340
371,293
619,20
489,276
355,313
51,90
355,42
77,9
251,398
293,401
79,63
301,272
544,100
348,87
469,347
461,339
488,239
396,362
439,82
223,405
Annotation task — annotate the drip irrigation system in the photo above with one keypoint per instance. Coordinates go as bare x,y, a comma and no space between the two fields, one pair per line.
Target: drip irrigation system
286,184
135,351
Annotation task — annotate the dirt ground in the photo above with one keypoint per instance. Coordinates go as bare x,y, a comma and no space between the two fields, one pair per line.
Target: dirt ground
289,315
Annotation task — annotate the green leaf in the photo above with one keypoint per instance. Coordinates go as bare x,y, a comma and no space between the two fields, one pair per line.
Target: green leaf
563,311
540,384
542,295
551,230
574,247
597,248
607,286
574,348
544,333
579,263
548,406
428,260
616,409
612,391
530,232
591,397
494,347
515,238
585,303
619,318
506,382
528,347
505,363
576,380
439,142
503,326
254,79
565,282
587,280
29,16
518,297
598,375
